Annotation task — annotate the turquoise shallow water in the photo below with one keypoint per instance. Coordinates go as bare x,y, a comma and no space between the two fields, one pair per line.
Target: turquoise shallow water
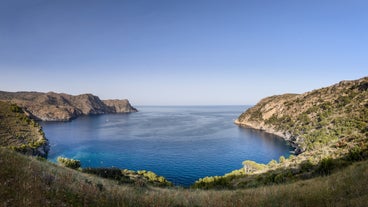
182,143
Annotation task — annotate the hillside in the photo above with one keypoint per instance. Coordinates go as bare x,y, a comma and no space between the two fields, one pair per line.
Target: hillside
26,181
64,107
328,128
314,119
20,133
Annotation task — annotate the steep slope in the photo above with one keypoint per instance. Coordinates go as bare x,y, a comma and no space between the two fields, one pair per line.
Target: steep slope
25,181
314,119
20,133
63,107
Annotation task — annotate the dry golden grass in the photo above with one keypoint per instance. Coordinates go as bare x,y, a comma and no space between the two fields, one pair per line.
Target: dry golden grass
26,181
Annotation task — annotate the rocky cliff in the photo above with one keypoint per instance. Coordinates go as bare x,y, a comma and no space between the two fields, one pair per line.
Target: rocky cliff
20,133
64,107
119,106
313,119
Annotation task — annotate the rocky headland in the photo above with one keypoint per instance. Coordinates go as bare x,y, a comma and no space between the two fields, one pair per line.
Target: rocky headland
64,107
328,128
313,119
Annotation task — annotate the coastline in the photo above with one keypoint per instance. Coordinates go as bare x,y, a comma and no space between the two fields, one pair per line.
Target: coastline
291,139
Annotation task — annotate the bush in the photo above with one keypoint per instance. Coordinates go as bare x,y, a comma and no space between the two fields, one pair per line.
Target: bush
325,167
306,166
282,159
16,109
272,163
111,173
251,166
70,163
154,178
355,154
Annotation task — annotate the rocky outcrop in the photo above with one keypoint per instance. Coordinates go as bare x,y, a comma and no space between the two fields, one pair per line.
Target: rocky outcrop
313,119
64,107
119,106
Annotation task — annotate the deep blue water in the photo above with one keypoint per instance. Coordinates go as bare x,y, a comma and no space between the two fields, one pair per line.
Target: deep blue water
182,143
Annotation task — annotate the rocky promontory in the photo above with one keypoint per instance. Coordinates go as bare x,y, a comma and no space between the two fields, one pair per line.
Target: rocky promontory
64,107
313,119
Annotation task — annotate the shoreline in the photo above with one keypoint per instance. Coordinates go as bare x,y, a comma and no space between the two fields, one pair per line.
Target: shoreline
289,138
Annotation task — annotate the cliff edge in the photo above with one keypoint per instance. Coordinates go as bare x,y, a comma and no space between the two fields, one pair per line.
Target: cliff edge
313,119
64,107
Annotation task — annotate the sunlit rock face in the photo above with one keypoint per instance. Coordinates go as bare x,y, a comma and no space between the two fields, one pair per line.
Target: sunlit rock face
64,107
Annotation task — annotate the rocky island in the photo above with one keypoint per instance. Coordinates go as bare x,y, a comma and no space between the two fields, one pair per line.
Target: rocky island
64,107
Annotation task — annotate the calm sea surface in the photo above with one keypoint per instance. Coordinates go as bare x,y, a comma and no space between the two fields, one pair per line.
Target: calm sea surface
182,143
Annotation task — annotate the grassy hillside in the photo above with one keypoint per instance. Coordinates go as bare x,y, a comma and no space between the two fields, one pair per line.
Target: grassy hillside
19,132
27,181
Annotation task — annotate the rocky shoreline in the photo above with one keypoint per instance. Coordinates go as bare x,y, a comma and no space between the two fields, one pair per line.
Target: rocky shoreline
292,140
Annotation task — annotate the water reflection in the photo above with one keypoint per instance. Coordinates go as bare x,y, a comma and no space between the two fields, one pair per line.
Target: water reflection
268,144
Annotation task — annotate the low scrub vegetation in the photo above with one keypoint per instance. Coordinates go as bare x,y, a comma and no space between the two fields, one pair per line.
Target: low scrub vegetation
26,181
292,169
70,163
140,178
18,132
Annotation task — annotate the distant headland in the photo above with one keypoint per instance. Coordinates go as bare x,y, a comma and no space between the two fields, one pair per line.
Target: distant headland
64,107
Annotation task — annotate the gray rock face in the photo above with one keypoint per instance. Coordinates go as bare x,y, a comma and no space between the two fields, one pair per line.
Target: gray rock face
64,107
119,106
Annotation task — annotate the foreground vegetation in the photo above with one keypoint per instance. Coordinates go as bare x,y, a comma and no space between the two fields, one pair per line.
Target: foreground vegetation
28,181
125,176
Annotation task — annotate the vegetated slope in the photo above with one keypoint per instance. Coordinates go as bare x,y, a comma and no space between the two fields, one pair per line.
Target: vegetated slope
328,127
314,119
26,181
20,133
63,107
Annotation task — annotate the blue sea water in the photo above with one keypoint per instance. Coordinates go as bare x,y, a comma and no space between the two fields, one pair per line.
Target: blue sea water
181,143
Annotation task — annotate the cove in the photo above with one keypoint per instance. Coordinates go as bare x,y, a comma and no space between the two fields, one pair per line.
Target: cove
181,143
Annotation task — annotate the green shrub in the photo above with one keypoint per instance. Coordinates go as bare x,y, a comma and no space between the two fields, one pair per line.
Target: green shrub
111,173
154,178
325,167
282,159
251,166
272,163
355,154
306,166
16,109
218,182
70,163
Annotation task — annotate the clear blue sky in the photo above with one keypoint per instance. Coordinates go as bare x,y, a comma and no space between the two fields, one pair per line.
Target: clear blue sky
181,52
